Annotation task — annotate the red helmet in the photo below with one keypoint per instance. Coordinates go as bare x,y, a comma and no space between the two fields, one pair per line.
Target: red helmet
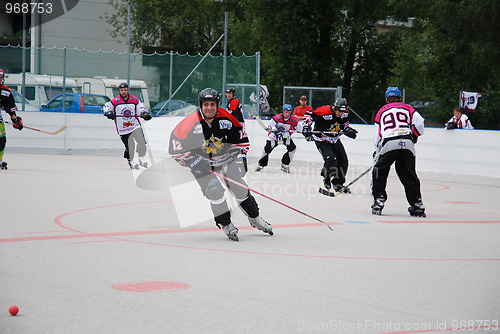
2,75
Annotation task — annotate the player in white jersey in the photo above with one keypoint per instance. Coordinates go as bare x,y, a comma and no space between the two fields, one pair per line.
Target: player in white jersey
397,127
279,132
125,110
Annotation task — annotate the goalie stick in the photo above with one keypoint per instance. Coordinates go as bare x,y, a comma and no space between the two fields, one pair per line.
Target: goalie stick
270,198
47,132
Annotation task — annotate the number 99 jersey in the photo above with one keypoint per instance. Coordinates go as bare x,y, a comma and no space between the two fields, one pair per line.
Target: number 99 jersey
397,119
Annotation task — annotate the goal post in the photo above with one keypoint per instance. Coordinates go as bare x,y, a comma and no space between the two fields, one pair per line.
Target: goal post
316,96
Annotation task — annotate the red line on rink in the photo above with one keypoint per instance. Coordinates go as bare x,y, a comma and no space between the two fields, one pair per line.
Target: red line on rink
129,233
424,221
115,236
40,232
458,202
59,218
156,286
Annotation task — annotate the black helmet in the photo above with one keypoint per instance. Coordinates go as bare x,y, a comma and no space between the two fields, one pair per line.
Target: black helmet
341,104
230,90
123,85
209,94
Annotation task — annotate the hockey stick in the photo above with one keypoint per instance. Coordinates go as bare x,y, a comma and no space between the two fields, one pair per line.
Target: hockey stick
341,190
261,123
263,126
47,132
270,198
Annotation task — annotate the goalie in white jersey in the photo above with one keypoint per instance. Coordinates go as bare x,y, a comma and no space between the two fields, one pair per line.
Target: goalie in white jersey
125,110
397,127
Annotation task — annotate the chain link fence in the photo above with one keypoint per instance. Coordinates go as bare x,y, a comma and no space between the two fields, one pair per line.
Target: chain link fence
153,77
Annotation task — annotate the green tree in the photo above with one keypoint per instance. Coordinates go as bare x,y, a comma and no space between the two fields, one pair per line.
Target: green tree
165,25
313,43
451,47
454,47
302,42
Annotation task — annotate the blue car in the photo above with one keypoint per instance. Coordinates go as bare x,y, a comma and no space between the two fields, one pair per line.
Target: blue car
172,108
77,103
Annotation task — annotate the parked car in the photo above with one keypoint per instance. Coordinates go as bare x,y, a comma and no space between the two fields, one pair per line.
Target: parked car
77,103
172,108
421,104
18,97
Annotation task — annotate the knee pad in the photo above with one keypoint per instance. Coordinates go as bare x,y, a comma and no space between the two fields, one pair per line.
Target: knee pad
214,191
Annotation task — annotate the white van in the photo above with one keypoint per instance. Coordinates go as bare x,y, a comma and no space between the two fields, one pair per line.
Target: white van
40,89
109,87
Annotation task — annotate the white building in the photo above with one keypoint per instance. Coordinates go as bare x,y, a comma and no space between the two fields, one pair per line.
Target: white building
82,27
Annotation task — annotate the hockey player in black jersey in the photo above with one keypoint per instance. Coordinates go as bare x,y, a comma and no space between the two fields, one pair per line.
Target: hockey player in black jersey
8,104
234,106
211,139
329,123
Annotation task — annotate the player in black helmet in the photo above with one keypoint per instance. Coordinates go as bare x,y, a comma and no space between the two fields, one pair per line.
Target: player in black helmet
233,105
329,122
211,139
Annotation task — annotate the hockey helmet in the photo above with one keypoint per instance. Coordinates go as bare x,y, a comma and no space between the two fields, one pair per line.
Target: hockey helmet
123,85
392,91
341,104
209,94
230,90
287,107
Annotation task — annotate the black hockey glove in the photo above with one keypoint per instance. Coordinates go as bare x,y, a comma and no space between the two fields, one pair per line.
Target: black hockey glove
197,164
451,125
18,123
350,132
109,114
306,131
147,116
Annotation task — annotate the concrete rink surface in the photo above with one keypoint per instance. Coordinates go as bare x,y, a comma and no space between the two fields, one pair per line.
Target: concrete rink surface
84,249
